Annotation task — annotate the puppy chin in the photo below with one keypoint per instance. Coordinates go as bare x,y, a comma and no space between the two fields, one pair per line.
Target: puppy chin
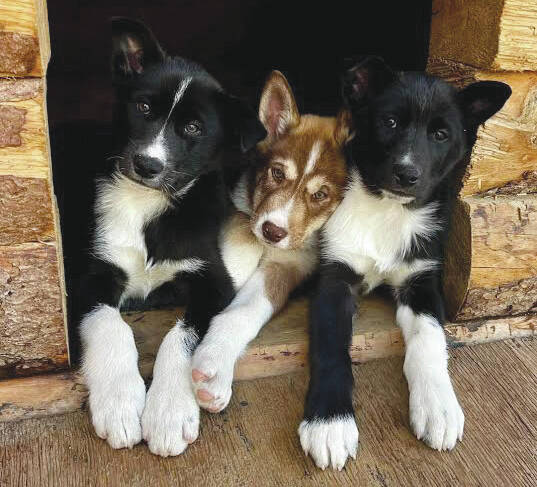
400,198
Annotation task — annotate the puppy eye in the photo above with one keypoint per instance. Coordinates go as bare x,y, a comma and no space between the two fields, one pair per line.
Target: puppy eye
391,122
143,107
440,135
193,128
277,174
319,195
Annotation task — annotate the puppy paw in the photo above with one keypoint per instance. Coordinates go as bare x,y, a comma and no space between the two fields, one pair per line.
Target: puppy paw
212,375
435,414
329,442
170,421
116,408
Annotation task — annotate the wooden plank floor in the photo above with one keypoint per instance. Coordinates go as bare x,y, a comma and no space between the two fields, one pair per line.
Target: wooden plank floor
254,442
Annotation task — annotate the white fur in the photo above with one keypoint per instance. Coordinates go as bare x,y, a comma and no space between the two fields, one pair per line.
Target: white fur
170,420
110,369
371,234
289,165
123,208
157,148
279,217
313,157
228,335
329,442
240,196
435,414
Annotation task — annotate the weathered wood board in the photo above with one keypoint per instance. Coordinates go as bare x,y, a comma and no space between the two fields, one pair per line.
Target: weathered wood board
280,348
490,34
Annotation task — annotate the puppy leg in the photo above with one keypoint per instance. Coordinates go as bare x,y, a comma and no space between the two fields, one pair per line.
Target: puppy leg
170,420
435,414
328,432
110,369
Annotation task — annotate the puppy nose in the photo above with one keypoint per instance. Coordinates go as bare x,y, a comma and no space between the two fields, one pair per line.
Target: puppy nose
273,233
145,166
406,176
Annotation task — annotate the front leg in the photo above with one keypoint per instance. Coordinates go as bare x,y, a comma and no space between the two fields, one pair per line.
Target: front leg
170,420
435,414
264,294
328,432
110,360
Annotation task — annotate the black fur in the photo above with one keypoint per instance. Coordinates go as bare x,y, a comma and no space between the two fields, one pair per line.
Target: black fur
189,228
436,125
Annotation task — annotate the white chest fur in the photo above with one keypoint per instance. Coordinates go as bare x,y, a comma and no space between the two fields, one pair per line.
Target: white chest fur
371,235
123,208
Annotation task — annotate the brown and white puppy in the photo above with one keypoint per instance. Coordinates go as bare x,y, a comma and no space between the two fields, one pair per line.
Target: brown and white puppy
270,245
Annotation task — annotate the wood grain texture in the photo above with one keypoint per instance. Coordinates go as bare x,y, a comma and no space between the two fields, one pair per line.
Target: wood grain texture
254,441
506,146
25,211
281,348
29,158
491,34
491,264
32,335
23,28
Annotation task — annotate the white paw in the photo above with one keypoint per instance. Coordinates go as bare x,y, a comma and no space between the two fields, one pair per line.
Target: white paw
212,375
116,408
329,442
170,421
435,414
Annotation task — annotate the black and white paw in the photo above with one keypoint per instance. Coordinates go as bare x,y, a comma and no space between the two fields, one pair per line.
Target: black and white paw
212,375
435,414
170,421
116,408
329,442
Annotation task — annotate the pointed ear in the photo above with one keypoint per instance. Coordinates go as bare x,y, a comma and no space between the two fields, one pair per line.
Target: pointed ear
366,79
479,101
343,132
277,109
134,47
244,123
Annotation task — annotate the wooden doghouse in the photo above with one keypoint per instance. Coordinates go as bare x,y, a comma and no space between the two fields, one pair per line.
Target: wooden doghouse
491,268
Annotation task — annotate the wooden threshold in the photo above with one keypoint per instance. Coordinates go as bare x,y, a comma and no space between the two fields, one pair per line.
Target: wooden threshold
280,348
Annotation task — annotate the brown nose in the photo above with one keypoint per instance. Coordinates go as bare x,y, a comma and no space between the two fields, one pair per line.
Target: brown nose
273,233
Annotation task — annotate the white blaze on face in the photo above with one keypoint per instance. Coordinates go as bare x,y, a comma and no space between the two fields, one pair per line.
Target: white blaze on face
157,149
313,157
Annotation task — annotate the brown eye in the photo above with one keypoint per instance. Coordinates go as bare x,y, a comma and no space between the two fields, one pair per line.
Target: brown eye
319,195
391,122
193,128
277,174
143,107
440,135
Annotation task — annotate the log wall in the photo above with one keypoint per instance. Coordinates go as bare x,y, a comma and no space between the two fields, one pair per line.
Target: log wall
32,320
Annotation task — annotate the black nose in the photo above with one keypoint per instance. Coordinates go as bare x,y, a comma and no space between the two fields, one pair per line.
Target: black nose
273,233
406,175
145,166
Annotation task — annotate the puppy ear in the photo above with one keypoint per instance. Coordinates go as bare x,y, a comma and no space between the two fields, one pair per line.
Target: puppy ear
343,132
244,123
134,47
366,79
277,109
479,101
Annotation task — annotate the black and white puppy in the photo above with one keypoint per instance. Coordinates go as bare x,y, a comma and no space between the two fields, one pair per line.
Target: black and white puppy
412,130
158,219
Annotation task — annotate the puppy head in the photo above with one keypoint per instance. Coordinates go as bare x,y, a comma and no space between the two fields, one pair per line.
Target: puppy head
300,180
175,120
413,128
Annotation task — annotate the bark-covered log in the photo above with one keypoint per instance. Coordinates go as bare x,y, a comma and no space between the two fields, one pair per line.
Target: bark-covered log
491,34
491,264
32,334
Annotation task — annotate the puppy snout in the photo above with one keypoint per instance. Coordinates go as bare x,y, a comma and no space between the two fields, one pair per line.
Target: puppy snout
145,166
406,176
273,233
